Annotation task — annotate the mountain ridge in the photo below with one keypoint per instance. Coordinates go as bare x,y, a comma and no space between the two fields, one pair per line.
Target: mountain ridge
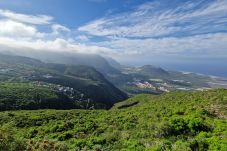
86,80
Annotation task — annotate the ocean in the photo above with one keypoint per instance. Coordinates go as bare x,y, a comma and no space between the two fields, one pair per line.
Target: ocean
207,69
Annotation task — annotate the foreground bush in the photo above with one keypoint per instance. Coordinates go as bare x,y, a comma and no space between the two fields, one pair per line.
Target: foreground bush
173,121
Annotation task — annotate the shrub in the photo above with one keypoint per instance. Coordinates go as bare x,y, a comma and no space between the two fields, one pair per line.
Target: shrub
46,146
32,133
197,124
180,126
8,142
65,136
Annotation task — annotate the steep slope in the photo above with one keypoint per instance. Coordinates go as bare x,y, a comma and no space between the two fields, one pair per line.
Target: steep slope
73,81
175,121
114,63
17,96
93,60
96,61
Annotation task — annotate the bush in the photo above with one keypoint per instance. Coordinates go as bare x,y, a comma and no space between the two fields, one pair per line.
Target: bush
133,145
179,126
46,146
8,142
33,133
197,124
65,136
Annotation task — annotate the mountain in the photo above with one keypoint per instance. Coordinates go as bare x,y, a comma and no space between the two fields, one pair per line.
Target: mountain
113,63
82,86
133,80
153,71
155,80
176,121
93,60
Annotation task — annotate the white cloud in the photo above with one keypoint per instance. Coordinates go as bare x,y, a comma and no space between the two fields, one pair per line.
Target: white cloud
193,28
82,38
155,19
57,45
59,28
200,45
21,32
9,28
31,19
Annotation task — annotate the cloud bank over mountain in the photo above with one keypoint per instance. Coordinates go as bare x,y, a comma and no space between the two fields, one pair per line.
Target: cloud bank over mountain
154,28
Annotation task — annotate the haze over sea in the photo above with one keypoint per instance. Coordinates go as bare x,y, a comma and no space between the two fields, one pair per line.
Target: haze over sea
214,69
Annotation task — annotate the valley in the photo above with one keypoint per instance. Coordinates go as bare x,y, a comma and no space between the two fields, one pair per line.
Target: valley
113,75
83,87
76,86
151,79
52,106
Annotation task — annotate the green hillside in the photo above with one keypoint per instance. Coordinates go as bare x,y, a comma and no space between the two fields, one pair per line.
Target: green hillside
178,121
76,86
16,96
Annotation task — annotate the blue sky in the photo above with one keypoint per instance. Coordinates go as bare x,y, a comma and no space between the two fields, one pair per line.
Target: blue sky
71,13
131,31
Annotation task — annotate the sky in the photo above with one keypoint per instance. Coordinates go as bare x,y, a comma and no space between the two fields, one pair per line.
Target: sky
136,32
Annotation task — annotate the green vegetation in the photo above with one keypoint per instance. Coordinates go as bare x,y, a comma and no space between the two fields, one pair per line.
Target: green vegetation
22,96
59,86
15,96
178,121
